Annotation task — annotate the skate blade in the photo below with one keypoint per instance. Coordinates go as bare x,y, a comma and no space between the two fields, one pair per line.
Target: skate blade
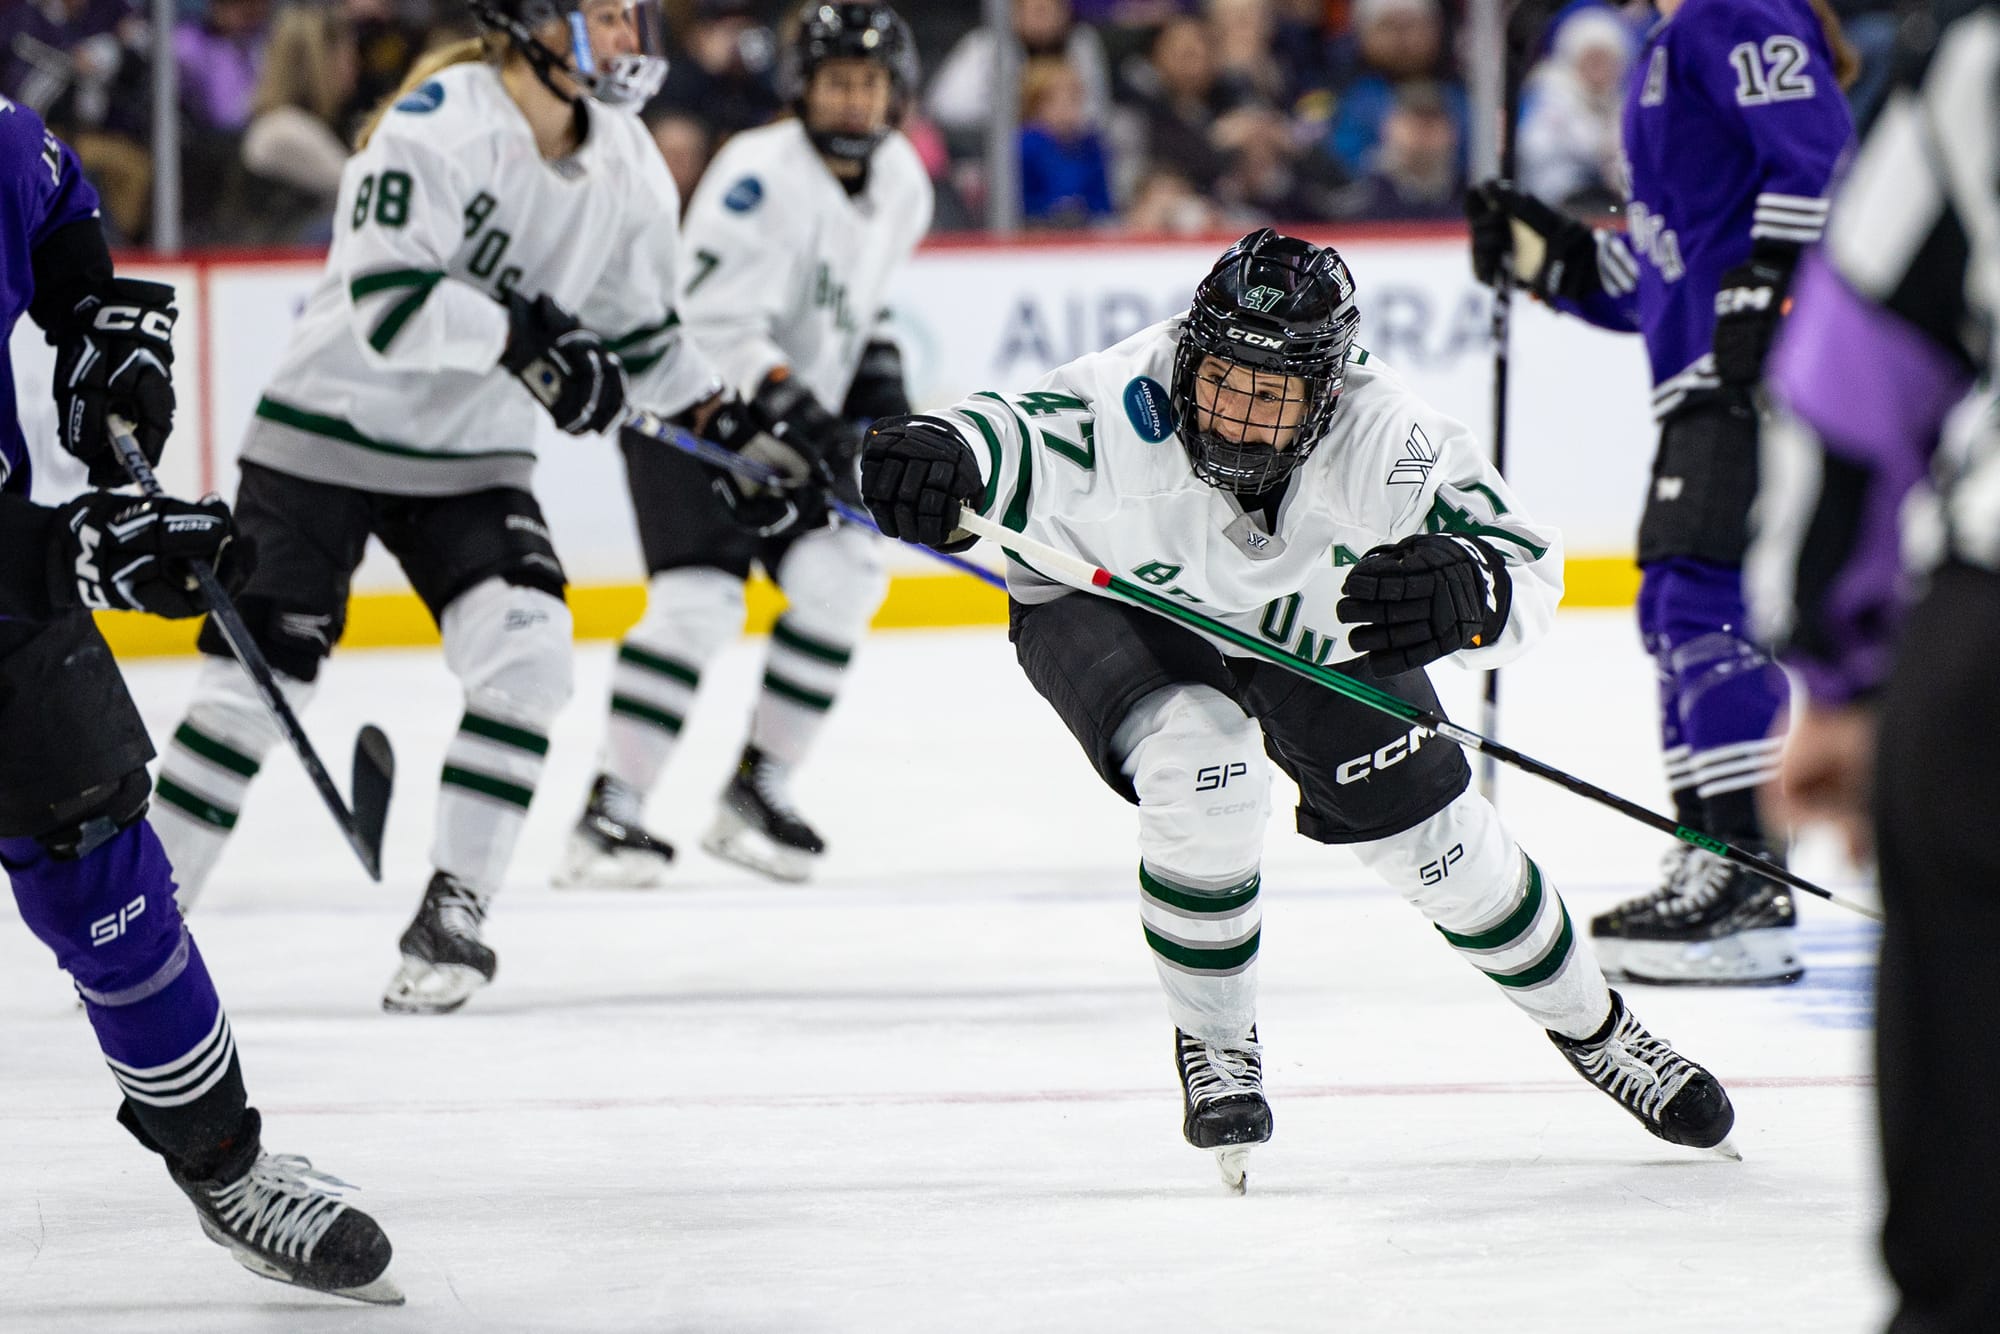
731,839
1727,1149
587,866
1234,1165
425,988
1765,957
382,1291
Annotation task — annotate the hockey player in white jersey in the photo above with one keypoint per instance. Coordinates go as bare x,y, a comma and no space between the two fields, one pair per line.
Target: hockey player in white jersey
509,185
788,248
1247,457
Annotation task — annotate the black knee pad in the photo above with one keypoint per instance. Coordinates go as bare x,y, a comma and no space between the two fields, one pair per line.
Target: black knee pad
294,642
91,819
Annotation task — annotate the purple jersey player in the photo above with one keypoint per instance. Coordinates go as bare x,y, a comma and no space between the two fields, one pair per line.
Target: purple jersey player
1732,127
90,877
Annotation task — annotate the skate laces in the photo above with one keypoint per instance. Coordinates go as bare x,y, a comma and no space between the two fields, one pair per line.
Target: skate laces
617,802
282,1204
460,910
1635,1067
1214,1071
767,780
1707,876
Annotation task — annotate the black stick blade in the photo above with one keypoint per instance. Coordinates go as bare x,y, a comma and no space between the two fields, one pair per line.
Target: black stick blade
374,776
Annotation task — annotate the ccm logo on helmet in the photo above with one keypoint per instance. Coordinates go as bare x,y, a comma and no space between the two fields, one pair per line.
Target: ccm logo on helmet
1255,339
1358,768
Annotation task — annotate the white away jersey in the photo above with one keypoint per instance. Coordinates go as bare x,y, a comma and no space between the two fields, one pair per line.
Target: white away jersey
392,380
1088,462
781,267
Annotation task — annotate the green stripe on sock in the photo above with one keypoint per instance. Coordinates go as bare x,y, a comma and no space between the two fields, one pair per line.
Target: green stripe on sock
200,808
1215,902
1511,929
658,665
492,729
1551,963
1220,959
646,713
797,694
215,752
833,656
487,785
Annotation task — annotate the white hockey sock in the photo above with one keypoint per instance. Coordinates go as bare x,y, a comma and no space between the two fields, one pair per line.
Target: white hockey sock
802,678
206,772
691,615
1204,944
1490,901
491,769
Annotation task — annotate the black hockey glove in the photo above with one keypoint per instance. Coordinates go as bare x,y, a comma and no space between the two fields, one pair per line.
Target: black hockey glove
114,354
134,553
879,389
1424,598
1748,306
564,365
915,474
1546,252
766,511
801,422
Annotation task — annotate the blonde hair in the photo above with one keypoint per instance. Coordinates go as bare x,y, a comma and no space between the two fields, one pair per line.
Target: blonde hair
1039,81
489,47
299,64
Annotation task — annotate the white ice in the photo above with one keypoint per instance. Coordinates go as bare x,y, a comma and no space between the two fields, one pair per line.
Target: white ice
932,1090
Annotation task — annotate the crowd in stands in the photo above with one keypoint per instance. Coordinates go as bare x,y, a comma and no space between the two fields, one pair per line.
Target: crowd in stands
1172,116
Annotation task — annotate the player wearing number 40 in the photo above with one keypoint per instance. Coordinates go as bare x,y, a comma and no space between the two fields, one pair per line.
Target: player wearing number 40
505,246
1731,130
1250,458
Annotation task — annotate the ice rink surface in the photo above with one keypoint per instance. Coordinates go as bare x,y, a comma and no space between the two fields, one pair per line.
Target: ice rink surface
932,1091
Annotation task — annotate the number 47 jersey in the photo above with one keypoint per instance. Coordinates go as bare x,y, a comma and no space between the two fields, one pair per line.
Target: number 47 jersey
391,382
1088,461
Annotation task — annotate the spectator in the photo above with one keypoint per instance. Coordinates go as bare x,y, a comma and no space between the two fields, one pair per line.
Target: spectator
294,139
1395,42
1064,181
388,40
1180,101
1269,179
1164,203
684,142
1241,32
961,96
219,59
722,70
82,65
1416,172
1569,122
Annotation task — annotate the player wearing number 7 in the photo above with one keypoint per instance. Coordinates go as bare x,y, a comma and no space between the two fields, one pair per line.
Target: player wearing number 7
504,248
1249,458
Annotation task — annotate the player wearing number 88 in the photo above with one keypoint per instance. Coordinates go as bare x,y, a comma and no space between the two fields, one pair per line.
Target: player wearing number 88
1249,458
504,248
1731,129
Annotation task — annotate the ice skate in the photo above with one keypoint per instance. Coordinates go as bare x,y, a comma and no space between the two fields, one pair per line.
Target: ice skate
1222,1093
282,1220
756,826
444,960
1670,1095
1711,923
610,848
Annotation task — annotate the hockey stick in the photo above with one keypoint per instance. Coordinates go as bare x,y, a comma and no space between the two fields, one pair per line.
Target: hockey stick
654,427
374,762
1080,573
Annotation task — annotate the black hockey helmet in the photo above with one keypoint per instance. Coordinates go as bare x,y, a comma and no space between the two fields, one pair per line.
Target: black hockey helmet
1272,304
625,80
850,31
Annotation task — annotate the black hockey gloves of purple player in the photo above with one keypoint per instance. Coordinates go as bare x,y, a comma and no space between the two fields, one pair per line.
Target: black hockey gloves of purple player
766,511
915,474
1550,255
564,365
1423,599
1748,306
132,553
114,352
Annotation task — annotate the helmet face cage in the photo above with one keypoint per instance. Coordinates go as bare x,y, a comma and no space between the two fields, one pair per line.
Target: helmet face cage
621,81
1283,310
850,31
